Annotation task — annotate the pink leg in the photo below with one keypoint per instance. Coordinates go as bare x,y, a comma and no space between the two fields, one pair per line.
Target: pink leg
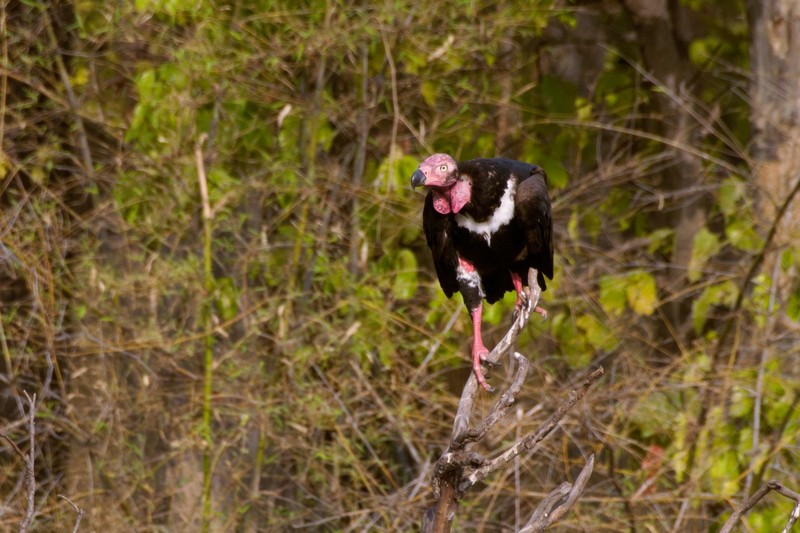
517,281
522,298
479,351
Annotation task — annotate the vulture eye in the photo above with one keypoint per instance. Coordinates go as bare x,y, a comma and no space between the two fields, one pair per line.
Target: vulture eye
443,168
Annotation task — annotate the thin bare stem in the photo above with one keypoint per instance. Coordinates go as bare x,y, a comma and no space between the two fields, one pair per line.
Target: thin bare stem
30,474
78,510
208,356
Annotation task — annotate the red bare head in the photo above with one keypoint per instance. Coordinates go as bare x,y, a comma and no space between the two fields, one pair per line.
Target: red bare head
439,170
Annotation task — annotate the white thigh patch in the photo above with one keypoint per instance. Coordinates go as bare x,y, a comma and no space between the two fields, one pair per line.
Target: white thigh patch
471,279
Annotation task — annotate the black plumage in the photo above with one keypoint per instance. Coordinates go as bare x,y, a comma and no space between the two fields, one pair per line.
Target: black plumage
486,221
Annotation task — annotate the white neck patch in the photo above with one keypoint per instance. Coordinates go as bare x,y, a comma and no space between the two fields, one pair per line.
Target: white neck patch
501,216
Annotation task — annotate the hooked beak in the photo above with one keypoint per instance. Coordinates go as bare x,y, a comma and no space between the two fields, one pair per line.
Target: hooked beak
417,178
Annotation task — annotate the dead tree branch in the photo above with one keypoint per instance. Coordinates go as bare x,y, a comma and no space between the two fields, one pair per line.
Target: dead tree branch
558,503
530,441
756,497
460,468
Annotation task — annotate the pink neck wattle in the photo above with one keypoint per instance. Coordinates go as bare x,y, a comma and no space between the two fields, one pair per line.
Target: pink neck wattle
452,199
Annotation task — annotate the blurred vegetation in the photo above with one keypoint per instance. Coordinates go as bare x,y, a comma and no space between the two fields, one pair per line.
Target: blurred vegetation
287,360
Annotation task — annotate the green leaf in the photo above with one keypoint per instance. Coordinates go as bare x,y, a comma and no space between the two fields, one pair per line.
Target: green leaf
495,314
430,92
787,258
556,174
572,226
743,236
637,289
661,240
598,335
405,282
729,194
584,108
793,307
704,246
592,224
724,293
80,311
612,294
741,402
226,298
653,414
398,169
724,472
640,289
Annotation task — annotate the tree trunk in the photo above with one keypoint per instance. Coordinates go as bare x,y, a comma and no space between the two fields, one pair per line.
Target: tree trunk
775,115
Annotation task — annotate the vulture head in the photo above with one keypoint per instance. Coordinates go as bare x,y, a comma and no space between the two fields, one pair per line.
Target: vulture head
439,173
439,170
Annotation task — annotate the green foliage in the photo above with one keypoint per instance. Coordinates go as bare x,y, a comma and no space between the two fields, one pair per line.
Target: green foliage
636,288
405,278
704,246
721,294
654,415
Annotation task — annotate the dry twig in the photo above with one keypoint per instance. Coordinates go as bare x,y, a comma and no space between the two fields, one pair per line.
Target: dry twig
29,465
78,510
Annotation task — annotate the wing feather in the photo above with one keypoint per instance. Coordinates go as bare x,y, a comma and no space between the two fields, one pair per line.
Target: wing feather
439,232
534,215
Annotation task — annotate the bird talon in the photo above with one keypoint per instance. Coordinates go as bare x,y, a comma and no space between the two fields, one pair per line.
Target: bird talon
482,380
479,358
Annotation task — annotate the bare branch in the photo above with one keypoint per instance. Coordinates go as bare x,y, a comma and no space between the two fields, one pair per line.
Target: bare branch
498,411
532,440
78,510
558,503
541,515
14,445
762,491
